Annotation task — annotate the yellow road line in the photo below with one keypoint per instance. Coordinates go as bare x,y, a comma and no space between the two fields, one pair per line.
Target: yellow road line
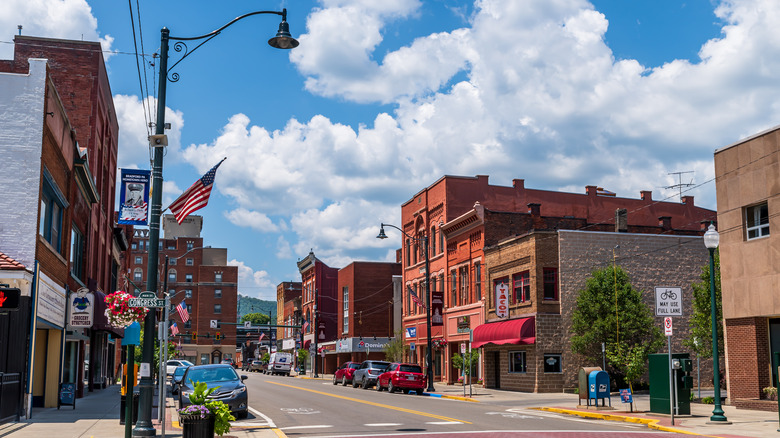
380,405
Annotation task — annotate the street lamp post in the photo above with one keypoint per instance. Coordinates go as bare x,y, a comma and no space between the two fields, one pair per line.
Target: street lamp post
711,241
282,40
424,241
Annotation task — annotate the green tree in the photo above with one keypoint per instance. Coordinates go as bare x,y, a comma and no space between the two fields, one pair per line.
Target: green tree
700,322
395,350
256,318
610,310
472,358
138,357
303,357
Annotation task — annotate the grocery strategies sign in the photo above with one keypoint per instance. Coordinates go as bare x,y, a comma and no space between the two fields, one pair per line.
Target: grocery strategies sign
81,308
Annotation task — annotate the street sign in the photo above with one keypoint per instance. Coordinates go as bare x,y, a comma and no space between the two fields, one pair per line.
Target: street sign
668,301
213,323
146,299
462,348
247,324
668,326
411,346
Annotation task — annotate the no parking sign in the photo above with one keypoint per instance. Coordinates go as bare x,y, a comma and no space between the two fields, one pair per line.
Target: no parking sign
668,326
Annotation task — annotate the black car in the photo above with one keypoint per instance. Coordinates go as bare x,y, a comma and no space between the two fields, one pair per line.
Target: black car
178,373
230,387
366,375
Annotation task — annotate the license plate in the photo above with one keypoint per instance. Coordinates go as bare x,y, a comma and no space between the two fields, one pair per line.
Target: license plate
411,377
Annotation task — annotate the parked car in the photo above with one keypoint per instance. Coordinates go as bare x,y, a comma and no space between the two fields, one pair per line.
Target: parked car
230,387
403,376
176,377
280,363
369,370
229,361
258,365
172,364
344,373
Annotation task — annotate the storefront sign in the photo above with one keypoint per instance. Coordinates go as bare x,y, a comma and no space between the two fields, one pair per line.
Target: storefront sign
502,300
350,345
411,332
81,308
51,301
464,324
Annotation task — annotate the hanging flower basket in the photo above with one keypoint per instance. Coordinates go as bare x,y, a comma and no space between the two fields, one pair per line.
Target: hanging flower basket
438,344
119,312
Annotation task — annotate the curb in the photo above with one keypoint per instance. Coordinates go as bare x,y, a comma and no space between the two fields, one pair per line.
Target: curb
650,423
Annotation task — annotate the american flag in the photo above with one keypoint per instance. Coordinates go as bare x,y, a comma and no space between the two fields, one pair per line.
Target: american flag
262,335
174,329
182,309
305,324
415,298
196,197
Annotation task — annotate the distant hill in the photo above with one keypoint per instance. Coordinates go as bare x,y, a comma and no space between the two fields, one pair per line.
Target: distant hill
255,305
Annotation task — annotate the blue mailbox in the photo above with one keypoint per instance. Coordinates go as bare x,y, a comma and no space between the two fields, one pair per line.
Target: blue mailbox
598,387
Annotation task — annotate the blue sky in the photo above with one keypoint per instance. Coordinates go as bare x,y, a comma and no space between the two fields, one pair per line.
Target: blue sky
382,98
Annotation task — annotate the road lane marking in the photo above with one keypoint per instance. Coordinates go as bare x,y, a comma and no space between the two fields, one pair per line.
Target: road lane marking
380,405
382,424
260,414
313,426
439,423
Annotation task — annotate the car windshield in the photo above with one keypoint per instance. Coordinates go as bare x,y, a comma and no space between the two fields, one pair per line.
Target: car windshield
354,366
220,374
380,365
179,371
187,363
410,369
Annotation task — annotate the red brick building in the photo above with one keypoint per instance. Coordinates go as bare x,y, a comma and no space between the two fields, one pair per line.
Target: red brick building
319,283
288,305
446,214
199,276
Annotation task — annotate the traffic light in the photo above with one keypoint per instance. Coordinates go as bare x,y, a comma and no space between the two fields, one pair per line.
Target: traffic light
9,298
218,336
194,336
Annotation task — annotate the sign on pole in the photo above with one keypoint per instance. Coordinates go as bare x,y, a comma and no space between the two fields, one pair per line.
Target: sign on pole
502,300
668,301
213,323
146,299
668,326
247,324
462,348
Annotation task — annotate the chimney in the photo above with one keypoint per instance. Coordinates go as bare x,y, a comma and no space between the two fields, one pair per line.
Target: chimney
665,222
687,200
646,195
621,220
591,190
518,184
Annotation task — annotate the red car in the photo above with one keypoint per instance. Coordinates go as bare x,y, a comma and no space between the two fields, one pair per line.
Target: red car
344,373
404,376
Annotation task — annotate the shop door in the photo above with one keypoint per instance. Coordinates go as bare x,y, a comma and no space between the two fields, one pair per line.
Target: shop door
497,368
774,346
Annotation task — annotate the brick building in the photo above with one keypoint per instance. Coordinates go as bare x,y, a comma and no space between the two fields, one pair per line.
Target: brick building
447,214
319,283
199,276
288,304
746,179
367,302
60,150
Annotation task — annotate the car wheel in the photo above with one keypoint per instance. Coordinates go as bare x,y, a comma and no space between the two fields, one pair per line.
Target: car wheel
335,382
419,392
378,386
364,385
242,414
390,387
354,383
344,380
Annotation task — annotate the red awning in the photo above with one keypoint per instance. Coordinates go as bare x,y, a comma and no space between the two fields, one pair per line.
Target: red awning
515,331
306,345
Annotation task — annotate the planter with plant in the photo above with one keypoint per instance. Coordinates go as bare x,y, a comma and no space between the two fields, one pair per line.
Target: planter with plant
204,419
770,392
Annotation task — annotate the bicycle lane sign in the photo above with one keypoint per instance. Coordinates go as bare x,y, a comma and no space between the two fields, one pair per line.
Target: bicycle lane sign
668,301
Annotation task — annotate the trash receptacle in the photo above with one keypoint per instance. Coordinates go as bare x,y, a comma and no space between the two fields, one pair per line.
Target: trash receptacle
583,383
123,408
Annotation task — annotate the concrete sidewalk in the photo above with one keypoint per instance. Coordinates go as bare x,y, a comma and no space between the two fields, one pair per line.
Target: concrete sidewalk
97,415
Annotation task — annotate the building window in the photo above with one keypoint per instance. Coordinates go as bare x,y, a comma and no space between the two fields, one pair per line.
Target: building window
521,287
188,278
408,251
134,246
217,308
172,261
517,362
187,293
757,221
415,252
550,284
345,296
189,246
76,253
308,321
433,240
464,285
186,339
172,246
189,262
52,204
217,293
187,324
172,276
552,363
441,241
433,284
139,260
138,274
453,288
477,281
218,277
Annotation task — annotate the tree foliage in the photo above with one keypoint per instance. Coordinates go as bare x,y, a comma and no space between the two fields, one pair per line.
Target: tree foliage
472,358
610,310
395,350
256,318
700,322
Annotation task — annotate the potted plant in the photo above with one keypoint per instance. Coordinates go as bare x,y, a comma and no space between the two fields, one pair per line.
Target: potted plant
119,312
770,392
204,419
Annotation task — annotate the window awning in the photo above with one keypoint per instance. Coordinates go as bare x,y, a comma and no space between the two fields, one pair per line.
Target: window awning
515,331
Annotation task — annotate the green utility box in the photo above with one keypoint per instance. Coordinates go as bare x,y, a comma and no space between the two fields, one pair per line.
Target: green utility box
659,383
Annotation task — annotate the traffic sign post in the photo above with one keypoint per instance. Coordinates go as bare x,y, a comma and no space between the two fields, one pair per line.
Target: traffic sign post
668,332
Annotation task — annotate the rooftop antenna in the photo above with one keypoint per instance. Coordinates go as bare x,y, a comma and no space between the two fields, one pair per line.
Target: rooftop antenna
679,186
20,28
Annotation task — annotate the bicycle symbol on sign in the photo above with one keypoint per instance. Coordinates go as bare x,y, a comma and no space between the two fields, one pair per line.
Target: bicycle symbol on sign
669,295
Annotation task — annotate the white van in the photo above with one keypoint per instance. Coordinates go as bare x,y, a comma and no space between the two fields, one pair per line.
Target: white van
280,363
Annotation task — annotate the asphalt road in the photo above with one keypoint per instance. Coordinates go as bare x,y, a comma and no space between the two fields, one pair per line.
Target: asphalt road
317,408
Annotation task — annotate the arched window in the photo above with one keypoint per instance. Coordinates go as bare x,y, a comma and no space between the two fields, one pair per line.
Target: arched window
171,276
432,240
138,274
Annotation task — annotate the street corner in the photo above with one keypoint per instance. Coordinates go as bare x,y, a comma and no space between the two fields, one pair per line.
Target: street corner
651,423
453,397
